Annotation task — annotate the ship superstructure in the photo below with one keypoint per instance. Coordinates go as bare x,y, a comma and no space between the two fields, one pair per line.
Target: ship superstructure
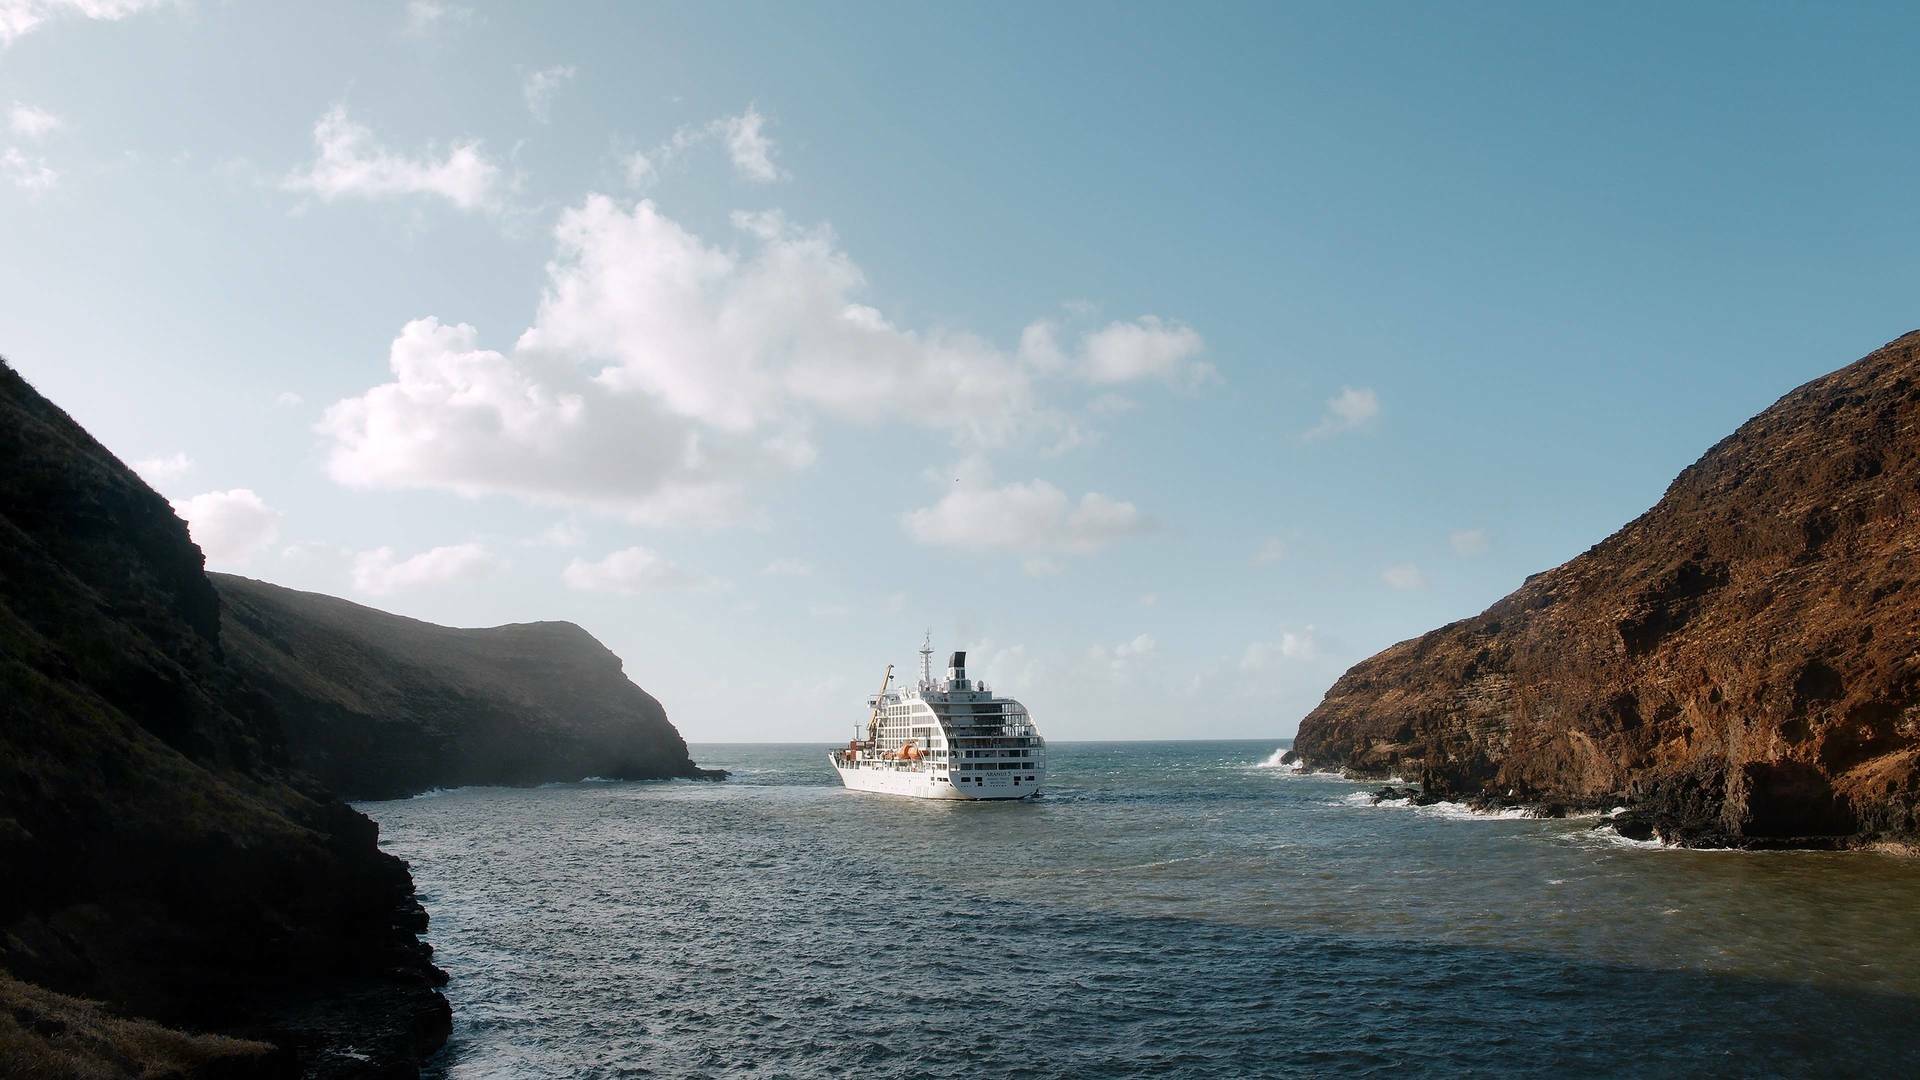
951,738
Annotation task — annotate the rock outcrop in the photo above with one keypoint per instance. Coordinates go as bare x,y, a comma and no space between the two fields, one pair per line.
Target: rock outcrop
1740,664
379,706
159,858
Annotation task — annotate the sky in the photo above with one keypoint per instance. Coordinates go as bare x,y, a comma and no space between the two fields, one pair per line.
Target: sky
1169,359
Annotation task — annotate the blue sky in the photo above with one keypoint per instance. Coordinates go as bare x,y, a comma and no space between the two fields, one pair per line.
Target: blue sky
1169,361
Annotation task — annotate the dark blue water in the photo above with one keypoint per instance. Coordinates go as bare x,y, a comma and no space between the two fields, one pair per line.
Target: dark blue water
1171,909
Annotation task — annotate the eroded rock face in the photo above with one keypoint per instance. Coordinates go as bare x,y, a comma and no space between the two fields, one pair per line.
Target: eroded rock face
1742,661
379,706
156,851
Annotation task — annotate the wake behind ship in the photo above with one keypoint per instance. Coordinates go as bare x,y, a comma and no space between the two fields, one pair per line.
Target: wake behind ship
944,739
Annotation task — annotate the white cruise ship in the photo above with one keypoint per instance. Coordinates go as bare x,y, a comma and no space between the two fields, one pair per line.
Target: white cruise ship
946,739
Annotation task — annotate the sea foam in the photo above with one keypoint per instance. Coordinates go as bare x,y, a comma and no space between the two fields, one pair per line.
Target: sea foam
1274,761
1450,811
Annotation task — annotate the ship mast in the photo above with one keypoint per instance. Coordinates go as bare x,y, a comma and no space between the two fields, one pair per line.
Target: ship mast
926,661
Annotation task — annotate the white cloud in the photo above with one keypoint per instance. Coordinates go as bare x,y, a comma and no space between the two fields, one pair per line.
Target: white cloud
1403,576
1111,404
738,340
1120,352
230,526
1040,567
1040,348
1349,410
1468,542
379,572
29,174
1271,550
1261,655
1119,657
788,568
426,16
663,375
308,554
1034,517
350,163
561,534
288,399
1149,599
539,87
1004,665
640,169
158,470
479,422
31,122
627,571
749,146
1145,348
21,17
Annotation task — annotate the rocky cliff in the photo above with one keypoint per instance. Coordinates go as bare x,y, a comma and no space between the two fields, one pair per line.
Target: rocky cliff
1741,663
157,854
379,706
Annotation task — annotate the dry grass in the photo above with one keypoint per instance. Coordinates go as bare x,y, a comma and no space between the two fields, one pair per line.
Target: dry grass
49,1036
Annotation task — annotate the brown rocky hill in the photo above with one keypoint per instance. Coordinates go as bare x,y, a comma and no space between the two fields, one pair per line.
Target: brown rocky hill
379,706
1741,662
157,852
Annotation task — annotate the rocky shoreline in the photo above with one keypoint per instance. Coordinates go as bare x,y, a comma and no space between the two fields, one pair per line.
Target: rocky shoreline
1736,665
1637,823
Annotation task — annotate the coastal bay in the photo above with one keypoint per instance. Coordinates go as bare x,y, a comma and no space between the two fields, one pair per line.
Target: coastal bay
1166,906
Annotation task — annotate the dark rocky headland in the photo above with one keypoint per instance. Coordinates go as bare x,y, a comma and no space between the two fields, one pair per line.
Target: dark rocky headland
161,857
1740,665
378,706
182,890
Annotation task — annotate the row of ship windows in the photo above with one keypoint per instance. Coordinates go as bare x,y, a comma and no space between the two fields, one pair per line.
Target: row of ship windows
926,734
982,766
976,779
969,755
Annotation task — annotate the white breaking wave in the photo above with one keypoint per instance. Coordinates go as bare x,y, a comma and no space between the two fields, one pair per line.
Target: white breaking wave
1607,838
1273,762
1450,811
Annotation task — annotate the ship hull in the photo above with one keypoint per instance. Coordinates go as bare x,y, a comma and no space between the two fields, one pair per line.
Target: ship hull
916,784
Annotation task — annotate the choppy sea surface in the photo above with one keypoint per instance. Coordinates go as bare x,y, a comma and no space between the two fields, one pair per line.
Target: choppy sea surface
1182,909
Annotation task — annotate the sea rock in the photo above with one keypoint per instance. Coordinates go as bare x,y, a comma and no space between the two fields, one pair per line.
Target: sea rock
157,852
378,706
1740,661
1632,824
1411,795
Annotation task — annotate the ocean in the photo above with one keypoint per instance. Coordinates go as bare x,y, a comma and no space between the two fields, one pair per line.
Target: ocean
1180,909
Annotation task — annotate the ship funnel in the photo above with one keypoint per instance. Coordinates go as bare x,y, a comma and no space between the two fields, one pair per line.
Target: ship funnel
957,670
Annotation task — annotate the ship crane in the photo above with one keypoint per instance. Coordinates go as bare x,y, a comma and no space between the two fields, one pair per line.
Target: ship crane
879,702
